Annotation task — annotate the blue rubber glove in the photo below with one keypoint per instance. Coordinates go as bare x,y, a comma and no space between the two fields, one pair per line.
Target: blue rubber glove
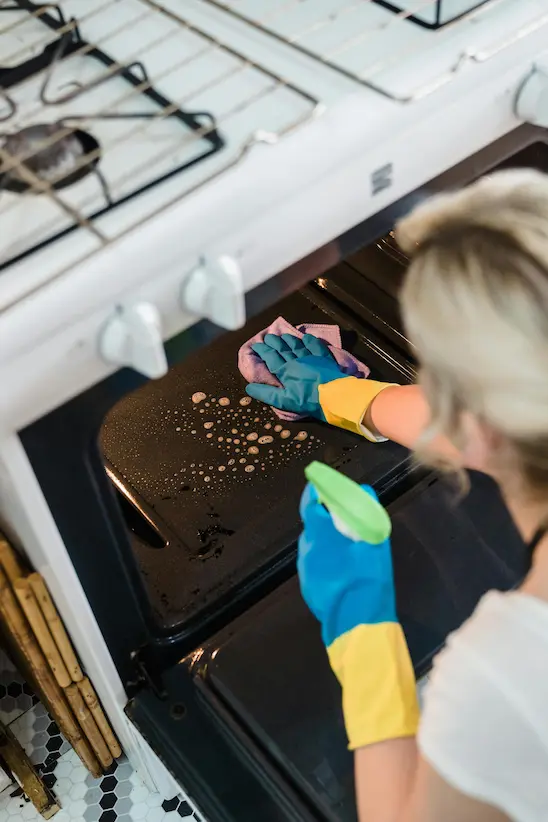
349,587
301,366
344,583
314,384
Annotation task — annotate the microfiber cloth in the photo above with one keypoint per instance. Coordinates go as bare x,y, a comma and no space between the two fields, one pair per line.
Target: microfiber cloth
253,368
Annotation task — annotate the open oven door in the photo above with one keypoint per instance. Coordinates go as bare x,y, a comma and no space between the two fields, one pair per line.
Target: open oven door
186,543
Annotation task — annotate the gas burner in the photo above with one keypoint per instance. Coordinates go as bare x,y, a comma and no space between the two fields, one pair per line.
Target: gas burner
112,134
52,154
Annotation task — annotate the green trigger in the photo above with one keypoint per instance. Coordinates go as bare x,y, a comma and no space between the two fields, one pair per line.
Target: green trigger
362,517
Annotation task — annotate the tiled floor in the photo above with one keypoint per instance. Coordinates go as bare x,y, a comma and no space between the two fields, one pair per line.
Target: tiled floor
15,695
119,796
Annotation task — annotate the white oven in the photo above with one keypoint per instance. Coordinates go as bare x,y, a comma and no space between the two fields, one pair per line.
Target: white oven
173,176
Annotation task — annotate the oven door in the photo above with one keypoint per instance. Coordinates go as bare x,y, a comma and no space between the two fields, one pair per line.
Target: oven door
178,504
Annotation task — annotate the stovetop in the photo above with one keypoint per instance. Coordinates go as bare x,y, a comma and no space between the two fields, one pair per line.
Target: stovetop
110,111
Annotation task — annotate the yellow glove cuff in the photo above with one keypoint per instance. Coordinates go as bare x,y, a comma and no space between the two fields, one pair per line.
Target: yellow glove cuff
373,666
345,402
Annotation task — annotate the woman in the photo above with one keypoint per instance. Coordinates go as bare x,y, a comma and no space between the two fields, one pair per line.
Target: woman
475,304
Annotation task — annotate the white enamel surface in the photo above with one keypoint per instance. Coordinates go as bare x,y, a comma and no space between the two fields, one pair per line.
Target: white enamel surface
532,100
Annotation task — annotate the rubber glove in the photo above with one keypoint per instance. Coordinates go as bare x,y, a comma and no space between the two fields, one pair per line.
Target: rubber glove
349,587
313,383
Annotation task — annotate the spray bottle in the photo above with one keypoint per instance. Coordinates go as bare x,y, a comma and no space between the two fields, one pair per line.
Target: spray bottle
354,513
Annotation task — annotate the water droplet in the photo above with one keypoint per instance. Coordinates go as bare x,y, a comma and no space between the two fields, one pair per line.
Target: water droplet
229,439
253,450
245,400
277,428
193,431
208,425
231,462
220,439
222,468
285,434
301,436
178,428
268,425
224,401
207,479
266,440
253,436
209,436
234,431
236,442
199,396
249,468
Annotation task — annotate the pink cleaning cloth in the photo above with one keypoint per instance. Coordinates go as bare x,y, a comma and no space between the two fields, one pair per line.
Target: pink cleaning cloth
253,368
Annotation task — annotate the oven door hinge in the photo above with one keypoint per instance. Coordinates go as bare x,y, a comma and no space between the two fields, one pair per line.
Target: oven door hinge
146,677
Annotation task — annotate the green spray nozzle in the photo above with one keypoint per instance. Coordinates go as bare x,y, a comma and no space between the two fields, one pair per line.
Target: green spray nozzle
354,512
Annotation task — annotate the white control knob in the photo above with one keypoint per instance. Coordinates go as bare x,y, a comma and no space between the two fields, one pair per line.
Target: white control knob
214,290
531,103
133,337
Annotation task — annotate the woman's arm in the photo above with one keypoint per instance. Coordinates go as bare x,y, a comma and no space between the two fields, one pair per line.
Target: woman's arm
401,414
395,784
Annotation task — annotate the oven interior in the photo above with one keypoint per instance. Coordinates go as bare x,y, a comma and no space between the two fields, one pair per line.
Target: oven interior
197,495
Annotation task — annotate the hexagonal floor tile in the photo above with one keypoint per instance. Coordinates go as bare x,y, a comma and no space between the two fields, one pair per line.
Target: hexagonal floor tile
44,745
118,796
15,695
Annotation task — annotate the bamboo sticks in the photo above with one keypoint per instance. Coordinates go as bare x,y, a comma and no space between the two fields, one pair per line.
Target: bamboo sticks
90,698
18,763
56,627
34,626
28,603
50,691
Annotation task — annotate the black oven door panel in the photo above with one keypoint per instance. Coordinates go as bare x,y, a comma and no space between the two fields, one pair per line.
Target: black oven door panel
217,485
252,725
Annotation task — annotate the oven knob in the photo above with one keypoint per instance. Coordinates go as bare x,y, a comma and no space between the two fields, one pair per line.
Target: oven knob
214,291
531,103
133,337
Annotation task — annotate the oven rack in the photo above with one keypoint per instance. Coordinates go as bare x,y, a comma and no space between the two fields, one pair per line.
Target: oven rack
66,21
317,27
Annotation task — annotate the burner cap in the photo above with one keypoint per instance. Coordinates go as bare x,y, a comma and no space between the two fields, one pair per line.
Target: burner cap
53,153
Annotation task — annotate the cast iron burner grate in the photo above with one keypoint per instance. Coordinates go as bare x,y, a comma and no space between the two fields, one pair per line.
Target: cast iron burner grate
39,156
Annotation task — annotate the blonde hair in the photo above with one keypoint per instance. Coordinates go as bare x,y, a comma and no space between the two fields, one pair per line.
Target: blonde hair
475,304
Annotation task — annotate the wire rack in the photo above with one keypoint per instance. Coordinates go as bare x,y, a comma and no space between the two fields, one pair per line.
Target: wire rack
370,40
101,102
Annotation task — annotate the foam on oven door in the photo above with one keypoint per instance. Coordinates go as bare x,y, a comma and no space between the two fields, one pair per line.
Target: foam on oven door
223,532
270,669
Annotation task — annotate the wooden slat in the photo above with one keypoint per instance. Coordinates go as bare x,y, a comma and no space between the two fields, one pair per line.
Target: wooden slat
9,560
56,626
90,698
50,693
28,603
21,767
88,725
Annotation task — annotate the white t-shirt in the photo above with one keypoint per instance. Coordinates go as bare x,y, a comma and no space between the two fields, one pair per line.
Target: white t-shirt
484,726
